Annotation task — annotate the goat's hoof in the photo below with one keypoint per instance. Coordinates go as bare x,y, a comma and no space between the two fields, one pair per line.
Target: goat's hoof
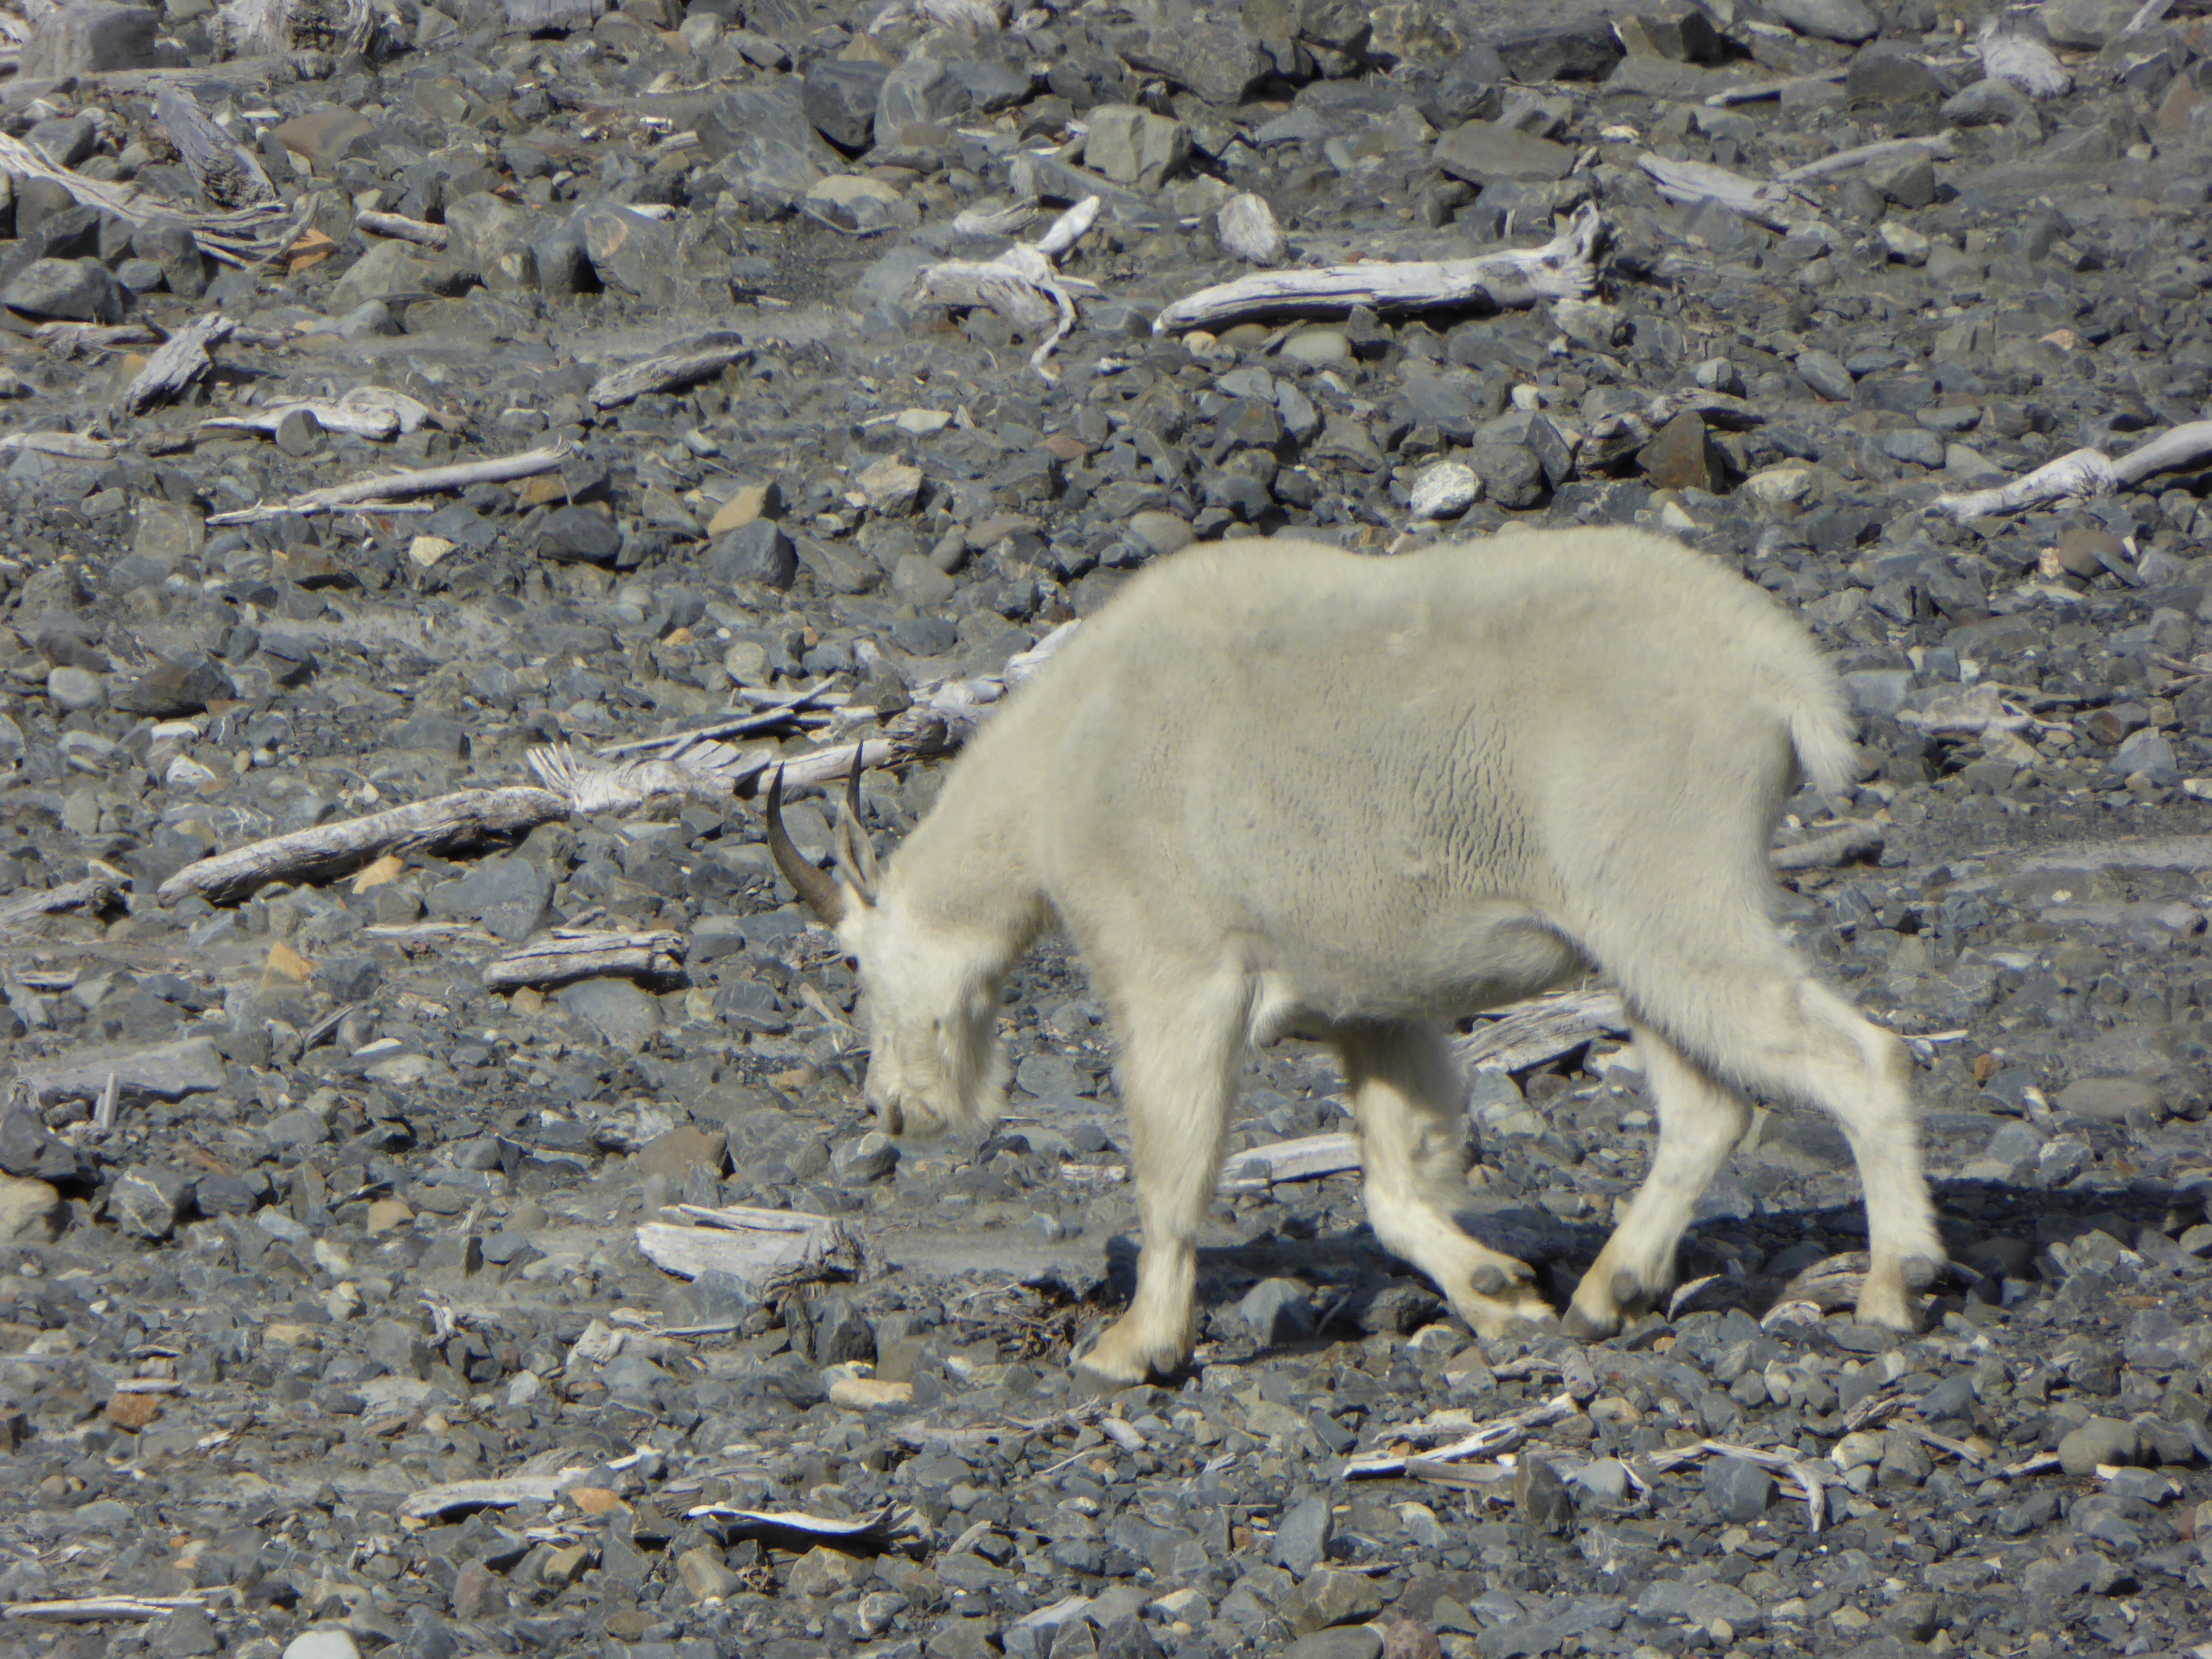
1587,1328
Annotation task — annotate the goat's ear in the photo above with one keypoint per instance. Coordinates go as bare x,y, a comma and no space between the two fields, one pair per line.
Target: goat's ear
856,854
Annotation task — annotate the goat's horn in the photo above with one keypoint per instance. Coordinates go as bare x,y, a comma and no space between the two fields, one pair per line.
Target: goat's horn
817,887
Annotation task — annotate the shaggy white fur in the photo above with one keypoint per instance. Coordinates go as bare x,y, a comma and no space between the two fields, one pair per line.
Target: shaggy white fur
1275,787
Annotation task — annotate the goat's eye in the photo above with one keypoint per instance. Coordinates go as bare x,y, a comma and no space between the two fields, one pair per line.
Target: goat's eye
852,965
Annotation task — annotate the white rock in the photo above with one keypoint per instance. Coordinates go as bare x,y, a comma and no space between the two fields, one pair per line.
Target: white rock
1246,227
1445,490
324,1643
1906,245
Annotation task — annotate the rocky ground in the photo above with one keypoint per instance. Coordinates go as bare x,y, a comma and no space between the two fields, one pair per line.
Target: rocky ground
307,1226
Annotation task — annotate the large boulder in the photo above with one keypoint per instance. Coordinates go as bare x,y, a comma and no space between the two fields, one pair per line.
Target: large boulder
90,37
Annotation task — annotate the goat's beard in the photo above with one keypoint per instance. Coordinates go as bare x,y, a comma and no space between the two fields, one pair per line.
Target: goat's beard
967,1095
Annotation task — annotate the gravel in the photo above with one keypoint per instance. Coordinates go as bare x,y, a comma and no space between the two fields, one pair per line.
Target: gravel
299,1225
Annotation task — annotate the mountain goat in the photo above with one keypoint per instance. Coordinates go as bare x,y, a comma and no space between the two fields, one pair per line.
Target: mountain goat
1275,788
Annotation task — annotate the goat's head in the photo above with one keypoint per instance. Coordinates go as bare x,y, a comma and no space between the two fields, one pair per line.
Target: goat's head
932,1001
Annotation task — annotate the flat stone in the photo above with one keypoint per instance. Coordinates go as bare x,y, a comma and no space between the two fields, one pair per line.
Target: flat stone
2100,1440
31,1211
1846,20
89,37
618,1009
168,1071
2111,1099
71,290
1683,456
1481,151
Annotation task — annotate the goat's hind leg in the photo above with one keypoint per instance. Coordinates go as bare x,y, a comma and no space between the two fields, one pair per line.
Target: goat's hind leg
1410,1098
1178,1079
1699,1120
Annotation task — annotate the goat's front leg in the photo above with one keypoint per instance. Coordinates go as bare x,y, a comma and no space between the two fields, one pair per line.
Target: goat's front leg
1409,1099
1177,1077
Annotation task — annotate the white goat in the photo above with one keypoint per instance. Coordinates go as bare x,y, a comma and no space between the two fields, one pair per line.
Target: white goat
1276,788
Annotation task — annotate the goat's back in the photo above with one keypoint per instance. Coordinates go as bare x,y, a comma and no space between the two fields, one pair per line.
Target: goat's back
1276,737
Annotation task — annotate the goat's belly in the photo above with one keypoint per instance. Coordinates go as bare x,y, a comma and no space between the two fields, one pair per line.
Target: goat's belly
1455,964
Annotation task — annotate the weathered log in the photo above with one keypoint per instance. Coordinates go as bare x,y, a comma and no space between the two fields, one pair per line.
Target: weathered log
1837,846
799,1531
87,1610
1308,1159
1497,1434
566,954
1530,1033
706,770
374,412
386,486
1937,144
69,445
184,359
242,236
68,340
400,229
1564,268
2085,472
1023,284
704,357
746,1242
1763,202
93,893
336,850
224,172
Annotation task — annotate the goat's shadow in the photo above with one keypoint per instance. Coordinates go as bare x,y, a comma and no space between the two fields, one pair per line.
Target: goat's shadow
1360,1286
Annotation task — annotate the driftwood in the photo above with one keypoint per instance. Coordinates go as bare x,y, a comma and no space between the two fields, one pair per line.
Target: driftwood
224,172
798,1531
543,16
1023,284
2084,472
1837,846
402,230
68,340
184,359
1531,1033
2025,61
67,445
704,771
93,893
794,710
996,221
85,1609
1758,91
1305,1159
1564,268
368,494
1937,144
1800,1473
1764,202
249,28
1497,1435
374,412
527,1485
242,236
566,954
336,850
746,1243
709,356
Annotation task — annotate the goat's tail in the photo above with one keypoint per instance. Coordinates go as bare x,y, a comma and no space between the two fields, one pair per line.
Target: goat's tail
1820,729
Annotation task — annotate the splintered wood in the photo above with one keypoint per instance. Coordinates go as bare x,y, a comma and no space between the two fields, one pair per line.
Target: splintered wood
746,1242
1564,268
566,954
338,849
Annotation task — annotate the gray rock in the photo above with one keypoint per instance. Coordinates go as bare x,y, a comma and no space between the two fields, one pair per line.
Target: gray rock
1824,373
30,1149
1276,1311
170,1071
920,93
146,1201
1605,1479
2111,1099
841,96
508,895
90,37
72,688
1511,477
1848,21
2148,752
1739,1491
1577,49
1481,151
74,290
1986,103
624,1015
578,535
756,552
1346,1642
1302,1538
183,687
2099,1440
